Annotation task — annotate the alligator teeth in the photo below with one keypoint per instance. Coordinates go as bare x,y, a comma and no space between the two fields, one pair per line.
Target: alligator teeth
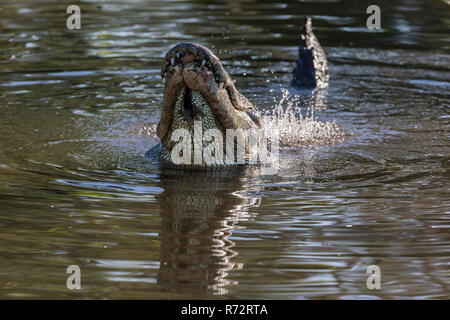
203,62
172,60
220,85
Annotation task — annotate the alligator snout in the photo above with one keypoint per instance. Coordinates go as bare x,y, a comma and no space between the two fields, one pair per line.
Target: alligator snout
198,78
194,70
187,52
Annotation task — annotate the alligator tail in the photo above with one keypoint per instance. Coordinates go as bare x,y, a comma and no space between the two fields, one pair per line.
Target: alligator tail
312,66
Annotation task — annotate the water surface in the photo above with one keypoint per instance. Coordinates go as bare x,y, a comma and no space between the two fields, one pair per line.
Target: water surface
77,114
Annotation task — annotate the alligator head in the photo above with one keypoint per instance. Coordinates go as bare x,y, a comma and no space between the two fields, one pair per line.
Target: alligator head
199,95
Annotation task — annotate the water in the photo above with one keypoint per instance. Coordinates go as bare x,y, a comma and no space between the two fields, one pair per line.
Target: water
363,176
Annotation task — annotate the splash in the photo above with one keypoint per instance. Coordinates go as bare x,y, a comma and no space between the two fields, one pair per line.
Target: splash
299,128
293,117
142,129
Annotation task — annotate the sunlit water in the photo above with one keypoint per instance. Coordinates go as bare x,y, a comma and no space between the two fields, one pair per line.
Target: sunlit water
363,173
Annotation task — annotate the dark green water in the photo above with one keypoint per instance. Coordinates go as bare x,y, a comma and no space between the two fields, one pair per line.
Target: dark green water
76,189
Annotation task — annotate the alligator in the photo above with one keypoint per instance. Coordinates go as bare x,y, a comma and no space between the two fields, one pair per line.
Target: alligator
200,97
312,65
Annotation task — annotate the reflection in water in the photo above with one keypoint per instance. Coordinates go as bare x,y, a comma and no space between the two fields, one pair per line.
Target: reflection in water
199,212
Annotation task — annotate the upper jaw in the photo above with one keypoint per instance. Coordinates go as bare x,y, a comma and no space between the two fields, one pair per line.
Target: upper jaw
196,67
188,52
